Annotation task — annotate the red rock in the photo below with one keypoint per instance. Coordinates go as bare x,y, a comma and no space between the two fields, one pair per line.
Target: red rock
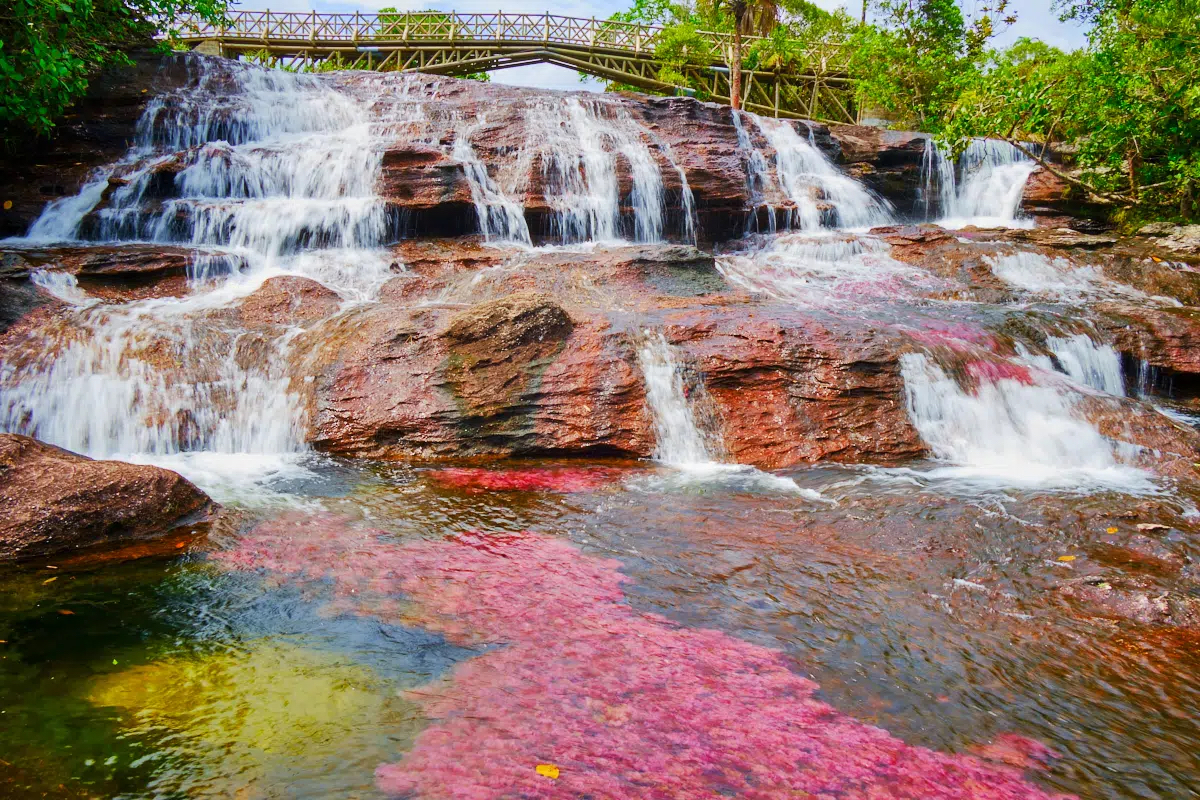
534,479
286,300
53,500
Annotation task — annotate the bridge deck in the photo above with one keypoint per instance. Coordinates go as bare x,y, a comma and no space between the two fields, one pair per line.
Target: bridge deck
816,86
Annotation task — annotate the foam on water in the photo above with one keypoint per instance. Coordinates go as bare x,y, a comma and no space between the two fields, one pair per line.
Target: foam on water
579,142
821,269
822,195
1008,433
276,170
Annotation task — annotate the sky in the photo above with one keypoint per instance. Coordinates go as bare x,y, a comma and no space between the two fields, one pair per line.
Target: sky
1035,19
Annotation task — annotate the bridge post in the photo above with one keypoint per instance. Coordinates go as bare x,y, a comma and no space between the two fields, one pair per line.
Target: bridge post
312,29
267,26
356,23
546,29
592,39
777,92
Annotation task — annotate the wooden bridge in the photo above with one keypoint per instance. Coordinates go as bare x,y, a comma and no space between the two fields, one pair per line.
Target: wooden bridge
816,86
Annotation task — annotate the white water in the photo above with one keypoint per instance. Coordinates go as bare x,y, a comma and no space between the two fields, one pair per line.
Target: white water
279,173
821,269
500,216
989,186
938,182
1011,434
758,175
680,441
822,195
62,285
1036,273
579,144
1088,363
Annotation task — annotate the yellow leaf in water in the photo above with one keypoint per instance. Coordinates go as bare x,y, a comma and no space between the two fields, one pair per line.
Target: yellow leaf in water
7,205
49,580
547,770
1066,558
66,612
1112,530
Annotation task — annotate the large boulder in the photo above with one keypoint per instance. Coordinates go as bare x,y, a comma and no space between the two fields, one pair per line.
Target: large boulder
53,500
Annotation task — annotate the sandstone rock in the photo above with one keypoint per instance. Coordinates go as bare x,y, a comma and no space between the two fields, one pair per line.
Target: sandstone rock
287,300
1183,239
53,500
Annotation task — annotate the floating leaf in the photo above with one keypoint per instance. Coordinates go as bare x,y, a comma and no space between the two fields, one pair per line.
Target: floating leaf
49,580
547,770
1112,530
1066,558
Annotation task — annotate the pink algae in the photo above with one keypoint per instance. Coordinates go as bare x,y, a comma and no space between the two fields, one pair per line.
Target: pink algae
536,479
994,371
625,704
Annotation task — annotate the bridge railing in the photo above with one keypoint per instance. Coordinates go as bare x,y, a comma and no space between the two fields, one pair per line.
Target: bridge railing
444,27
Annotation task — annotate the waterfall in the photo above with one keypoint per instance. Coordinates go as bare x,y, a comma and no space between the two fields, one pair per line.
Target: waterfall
938,185
266,174
822,195
500,216
679,440
1088,363
758,174
1009,432
991,183
579,145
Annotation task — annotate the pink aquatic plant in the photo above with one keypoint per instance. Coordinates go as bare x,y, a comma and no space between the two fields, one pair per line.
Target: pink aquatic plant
993,371
609,701
536,479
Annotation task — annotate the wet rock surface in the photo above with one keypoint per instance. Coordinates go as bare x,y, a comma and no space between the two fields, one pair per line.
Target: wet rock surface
52,500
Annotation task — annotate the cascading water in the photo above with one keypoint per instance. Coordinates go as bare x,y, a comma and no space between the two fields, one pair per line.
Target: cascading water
823,196
1088,363
1010,432
682,441
275,170
758,175
500,216
579,145
679,440
938,184
989,186
821,269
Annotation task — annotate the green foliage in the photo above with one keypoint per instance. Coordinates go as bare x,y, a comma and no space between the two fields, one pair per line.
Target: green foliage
913,60
1129,105
49,49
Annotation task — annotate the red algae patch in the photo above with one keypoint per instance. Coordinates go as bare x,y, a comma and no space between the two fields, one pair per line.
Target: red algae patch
622,704
534,479
996,371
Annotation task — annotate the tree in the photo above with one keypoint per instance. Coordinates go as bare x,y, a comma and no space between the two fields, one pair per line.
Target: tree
1129,105
912,61
746,16
49,49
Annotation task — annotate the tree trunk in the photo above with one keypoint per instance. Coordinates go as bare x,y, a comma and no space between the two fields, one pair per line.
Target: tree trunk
735,69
